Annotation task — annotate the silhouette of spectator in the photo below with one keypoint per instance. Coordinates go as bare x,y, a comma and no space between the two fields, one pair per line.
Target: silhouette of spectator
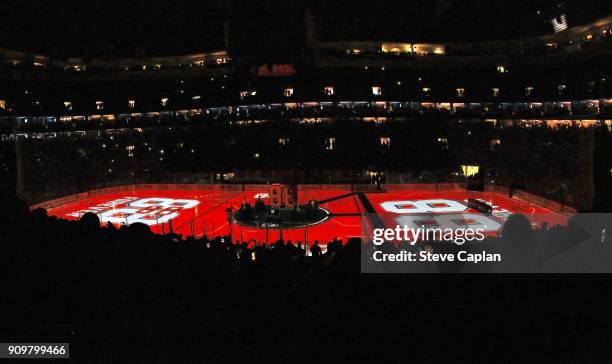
315,249
90,222
517,229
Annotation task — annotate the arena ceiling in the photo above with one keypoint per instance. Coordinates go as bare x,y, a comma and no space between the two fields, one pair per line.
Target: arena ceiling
145,28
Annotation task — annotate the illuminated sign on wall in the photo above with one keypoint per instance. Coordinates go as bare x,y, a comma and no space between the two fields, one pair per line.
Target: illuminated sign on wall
275,70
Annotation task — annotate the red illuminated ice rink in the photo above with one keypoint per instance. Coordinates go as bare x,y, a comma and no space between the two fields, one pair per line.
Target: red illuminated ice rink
202,210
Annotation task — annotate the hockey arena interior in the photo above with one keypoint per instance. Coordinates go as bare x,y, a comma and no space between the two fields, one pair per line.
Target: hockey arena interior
243,142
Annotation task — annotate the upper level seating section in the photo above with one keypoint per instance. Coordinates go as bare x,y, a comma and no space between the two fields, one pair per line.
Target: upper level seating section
594,35
521,76
565,87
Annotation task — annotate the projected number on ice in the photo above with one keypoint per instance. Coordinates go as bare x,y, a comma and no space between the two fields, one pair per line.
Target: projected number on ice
149,211
423,206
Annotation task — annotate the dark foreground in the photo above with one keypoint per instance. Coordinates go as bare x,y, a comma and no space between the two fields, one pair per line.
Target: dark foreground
127,295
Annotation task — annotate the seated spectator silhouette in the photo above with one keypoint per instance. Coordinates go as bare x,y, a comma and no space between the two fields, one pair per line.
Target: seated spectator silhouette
519,252
315,249
90,222
517,229
301,249
139,230
39,215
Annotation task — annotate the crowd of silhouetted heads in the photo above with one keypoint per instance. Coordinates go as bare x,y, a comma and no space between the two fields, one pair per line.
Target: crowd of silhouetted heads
124,292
